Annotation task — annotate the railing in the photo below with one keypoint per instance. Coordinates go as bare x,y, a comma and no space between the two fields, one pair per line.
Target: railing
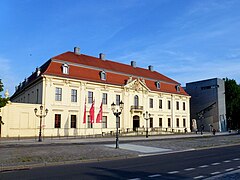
136,108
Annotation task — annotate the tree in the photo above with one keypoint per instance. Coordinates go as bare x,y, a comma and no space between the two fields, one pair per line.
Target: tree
232,96
3,101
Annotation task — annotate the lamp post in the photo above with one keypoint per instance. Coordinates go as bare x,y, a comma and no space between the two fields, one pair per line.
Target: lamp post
117,114
146,116
40,115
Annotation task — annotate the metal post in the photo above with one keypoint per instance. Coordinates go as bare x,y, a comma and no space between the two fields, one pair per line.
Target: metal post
40,130
146,127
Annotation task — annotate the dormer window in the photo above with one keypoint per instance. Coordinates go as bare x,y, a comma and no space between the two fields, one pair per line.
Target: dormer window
158,85
178,88
65,68
103,75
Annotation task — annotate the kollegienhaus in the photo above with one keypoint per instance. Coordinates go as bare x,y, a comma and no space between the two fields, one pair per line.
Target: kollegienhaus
70,84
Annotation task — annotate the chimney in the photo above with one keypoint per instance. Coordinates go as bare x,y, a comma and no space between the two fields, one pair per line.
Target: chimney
150,68
102,56
133,64
77,50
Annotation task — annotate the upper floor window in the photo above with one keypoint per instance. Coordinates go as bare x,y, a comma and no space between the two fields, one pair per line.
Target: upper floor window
158,85
177,105
104,98
169,104
65,68
184,106
117,100
136,103
58,94
73,95
103,75
150,103
160,104
90,97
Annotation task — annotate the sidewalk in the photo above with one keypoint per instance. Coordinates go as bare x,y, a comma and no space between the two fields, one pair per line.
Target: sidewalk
99,140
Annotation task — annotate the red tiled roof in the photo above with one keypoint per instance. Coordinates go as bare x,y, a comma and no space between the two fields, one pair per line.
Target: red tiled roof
87,68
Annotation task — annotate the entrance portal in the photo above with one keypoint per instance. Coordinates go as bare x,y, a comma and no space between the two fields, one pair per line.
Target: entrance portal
136,122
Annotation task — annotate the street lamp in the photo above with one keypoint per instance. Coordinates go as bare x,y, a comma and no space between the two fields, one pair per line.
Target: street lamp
146,116
116,113
41,115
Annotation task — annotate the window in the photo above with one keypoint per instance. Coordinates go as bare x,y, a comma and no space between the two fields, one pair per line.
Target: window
160,122
177,105
169,104
184,106
169,122
65,68
37,96
104,122
73,95
57,121
184,122
89,124
177,122
73,121
151,122
136,103
117,100
178,88
103,75
160,104
58,94
104,98
158,85
150,103
90,97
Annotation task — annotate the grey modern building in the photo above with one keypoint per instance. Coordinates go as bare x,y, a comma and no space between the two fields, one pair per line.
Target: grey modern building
208,104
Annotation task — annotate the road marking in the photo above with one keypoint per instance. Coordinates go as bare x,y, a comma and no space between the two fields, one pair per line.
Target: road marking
238,166
198,177
189,169
236,159
154,175
173,172
230,169
214,173
214,164
135,179
203,166
227,161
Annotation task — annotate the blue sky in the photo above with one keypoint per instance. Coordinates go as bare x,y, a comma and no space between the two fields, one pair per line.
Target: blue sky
186,40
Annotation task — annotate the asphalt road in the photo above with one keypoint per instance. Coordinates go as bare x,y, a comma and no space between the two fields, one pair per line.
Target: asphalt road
197,164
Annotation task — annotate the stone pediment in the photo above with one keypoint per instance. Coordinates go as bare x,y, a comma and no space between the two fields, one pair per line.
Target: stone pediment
136,84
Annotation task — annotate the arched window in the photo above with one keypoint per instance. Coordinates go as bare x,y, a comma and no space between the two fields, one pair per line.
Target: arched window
136,101
103,75
65,68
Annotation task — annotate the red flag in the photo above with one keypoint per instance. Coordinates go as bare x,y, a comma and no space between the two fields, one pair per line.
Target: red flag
84,115
99,116
92,113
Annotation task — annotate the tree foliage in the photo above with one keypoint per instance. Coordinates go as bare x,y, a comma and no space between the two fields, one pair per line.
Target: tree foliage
232,96
3,101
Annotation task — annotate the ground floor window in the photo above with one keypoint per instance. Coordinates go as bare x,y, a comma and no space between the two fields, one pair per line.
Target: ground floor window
177,122
160,122
104,122
90,125
169,122
184,122
73,121
151,122
57,121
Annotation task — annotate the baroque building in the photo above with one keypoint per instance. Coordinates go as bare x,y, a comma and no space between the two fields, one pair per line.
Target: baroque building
70,84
